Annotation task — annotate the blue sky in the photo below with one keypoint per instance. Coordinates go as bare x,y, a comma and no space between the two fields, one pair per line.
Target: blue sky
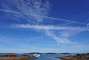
44,26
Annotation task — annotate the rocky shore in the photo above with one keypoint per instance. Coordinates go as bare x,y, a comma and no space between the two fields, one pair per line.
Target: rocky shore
76,57
44,56
14,56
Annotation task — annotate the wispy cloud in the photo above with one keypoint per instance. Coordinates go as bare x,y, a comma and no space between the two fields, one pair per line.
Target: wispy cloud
49,27
87,26
38,10
63,37
18,50
34,8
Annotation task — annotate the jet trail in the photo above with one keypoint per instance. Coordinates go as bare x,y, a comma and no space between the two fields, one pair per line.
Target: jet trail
50,27
16,13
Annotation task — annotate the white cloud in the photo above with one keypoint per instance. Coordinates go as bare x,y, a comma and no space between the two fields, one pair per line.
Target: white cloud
34,8
63,38
58,39
50,27
38,10
88,26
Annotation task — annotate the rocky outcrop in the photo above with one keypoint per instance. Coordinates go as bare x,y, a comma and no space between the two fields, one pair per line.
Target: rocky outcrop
77,57
26,57
13,56
8,56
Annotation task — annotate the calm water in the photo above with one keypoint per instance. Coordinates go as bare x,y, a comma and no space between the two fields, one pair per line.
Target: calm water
52,56
44,56
48,57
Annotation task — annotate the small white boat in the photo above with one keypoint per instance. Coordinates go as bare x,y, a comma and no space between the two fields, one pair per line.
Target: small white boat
36,55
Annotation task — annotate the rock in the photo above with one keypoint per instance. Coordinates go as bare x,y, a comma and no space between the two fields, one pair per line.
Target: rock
77,57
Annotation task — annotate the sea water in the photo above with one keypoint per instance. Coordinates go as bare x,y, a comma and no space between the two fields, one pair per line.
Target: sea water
48,57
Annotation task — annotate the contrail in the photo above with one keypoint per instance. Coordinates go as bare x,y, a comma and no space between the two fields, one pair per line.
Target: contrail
10,11
26,11
50,27
16,13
